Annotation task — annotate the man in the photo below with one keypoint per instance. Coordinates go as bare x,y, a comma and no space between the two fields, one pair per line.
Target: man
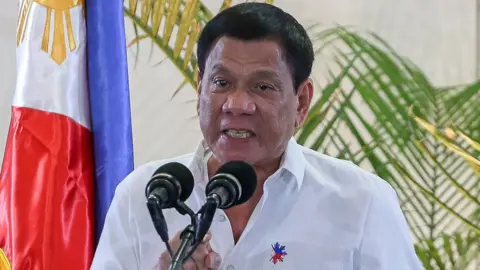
309,211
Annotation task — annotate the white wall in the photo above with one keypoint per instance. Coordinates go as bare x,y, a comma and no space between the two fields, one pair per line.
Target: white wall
439,35
8,18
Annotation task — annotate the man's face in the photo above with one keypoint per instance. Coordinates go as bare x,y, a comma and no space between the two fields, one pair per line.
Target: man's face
247,103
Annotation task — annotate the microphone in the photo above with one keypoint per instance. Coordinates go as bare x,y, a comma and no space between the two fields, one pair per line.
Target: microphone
169,185
233,184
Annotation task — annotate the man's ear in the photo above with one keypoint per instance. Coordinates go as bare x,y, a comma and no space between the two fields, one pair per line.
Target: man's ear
304,96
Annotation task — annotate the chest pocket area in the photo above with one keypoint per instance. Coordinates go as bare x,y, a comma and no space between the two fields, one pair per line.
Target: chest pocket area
294,255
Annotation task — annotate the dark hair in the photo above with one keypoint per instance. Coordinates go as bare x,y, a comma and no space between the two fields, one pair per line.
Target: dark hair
256,21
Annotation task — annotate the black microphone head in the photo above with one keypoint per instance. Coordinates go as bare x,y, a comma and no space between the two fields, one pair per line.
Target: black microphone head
246,176
176,172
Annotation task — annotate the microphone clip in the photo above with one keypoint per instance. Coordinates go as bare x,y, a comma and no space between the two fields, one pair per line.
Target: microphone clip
183,209
194,233
204,218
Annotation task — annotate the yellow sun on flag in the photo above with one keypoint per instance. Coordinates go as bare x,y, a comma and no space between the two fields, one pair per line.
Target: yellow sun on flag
4,264
61,16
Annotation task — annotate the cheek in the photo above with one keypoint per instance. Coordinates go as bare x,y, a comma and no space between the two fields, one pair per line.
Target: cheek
206,102
279,119
206,111
288,112
204,106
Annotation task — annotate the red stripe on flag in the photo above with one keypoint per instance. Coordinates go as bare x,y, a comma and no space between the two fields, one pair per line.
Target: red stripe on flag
46,193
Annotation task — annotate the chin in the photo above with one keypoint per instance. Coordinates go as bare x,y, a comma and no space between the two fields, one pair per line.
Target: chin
237,156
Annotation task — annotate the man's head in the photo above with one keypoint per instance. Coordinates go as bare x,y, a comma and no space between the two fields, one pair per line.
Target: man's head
254,89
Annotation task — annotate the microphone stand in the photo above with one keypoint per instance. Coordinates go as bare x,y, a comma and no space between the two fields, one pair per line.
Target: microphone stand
187,236
193,233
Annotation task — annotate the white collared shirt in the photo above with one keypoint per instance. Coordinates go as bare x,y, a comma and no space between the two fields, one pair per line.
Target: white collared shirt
326,213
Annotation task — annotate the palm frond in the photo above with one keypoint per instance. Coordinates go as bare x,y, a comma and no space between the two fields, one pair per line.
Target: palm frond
173,26
369,99
451,139
455,252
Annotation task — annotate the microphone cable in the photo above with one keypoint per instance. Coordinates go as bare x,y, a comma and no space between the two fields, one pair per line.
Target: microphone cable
159,222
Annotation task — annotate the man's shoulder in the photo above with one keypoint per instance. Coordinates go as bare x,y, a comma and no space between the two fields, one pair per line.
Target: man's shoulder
140,176
342,174
342,185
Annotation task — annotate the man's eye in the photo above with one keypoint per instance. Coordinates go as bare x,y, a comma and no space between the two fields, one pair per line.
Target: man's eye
265,87
220,82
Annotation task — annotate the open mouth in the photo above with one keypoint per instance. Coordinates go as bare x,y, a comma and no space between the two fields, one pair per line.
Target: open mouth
238,134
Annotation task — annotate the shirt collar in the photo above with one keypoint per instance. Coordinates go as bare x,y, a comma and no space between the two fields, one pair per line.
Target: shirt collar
293,160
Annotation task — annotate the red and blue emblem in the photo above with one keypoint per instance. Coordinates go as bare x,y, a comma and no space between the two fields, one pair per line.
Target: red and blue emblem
278,253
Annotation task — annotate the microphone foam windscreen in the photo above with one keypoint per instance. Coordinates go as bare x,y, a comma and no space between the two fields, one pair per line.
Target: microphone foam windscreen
182,174
245,174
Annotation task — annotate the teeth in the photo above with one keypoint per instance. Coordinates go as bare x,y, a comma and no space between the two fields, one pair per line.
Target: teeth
240,134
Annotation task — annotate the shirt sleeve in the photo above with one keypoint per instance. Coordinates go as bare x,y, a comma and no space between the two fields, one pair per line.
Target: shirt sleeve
116,248
386,243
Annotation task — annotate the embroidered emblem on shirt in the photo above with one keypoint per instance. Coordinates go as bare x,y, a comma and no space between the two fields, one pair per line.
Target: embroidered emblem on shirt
278,253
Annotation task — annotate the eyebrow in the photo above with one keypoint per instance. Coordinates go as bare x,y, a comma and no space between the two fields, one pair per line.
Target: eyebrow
221,68
269,73
265,73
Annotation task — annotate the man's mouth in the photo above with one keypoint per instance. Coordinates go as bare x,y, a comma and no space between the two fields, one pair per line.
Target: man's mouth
238,134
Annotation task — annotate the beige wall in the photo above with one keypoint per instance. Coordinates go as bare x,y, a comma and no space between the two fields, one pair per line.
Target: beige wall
8,17
439,35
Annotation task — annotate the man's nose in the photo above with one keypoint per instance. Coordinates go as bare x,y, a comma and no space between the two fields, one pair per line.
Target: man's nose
239,102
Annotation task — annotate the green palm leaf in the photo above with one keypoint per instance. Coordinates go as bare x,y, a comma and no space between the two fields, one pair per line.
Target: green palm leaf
437,189
455,252
173,26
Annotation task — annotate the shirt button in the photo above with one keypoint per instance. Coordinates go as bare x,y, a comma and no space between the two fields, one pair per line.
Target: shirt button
222,218
230,267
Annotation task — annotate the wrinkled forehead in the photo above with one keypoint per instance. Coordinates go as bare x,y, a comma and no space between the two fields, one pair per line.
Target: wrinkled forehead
232,55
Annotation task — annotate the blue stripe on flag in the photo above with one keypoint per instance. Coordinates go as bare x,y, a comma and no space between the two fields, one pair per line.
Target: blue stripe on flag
109,101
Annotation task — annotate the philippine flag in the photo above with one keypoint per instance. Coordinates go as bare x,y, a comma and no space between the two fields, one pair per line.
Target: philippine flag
66,149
